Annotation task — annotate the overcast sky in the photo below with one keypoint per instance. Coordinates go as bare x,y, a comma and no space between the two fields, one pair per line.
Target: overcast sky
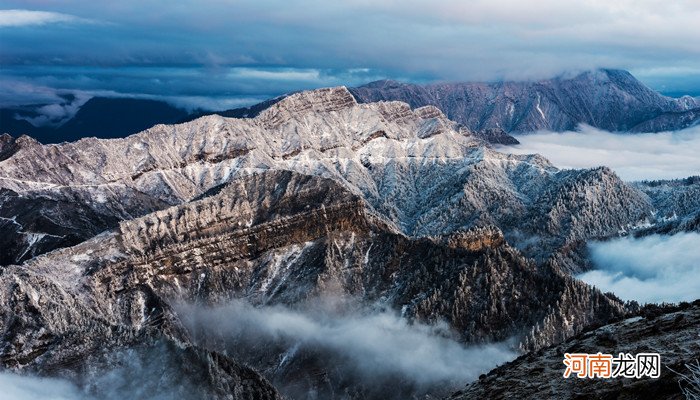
230,52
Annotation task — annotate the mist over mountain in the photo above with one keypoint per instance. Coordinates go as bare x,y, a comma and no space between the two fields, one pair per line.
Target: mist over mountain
349,200
159,247
650,269
638,157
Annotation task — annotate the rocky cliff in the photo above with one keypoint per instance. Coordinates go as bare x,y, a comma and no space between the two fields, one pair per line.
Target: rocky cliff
318,196
274,237
423,172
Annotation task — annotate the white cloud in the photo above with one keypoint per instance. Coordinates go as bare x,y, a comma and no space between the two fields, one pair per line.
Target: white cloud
374,346
650,269
663,155
276,75
18,387
14,18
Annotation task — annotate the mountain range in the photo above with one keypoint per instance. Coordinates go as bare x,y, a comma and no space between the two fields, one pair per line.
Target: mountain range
612,100
608,99
317,196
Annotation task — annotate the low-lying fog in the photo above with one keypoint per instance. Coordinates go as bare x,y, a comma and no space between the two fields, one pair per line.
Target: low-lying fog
376,352
326,348
633,156
651,269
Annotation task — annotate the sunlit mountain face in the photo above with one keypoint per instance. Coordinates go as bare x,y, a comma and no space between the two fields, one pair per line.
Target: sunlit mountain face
245,200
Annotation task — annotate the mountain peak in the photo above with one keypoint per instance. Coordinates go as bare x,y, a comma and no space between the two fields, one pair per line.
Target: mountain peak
311,101
610,99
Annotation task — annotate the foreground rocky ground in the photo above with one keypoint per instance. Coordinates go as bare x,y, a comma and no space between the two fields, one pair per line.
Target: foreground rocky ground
675,335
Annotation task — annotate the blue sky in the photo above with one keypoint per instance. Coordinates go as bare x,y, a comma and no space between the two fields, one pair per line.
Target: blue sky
223,53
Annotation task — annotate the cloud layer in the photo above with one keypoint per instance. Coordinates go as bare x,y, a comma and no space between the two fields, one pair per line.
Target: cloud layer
293,42
374,347
664,155
18,387
189,87
16,18
649,270
450,39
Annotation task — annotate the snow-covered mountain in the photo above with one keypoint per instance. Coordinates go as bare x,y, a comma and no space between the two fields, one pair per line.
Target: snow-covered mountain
318,195
607,99
424,173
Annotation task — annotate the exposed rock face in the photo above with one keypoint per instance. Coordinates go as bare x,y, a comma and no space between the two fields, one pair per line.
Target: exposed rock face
420,170
61,319
496,136
276,237
671,121
673,335
608,99
32,224
8,146
318,195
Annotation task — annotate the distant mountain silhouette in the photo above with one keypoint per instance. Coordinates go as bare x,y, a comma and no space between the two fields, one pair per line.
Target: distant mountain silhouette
100,117
608,99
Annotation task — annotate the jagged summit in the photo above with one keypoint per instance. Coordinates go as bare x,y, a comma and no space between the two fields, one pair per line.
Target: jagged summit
272,237
605,98
384,84
318,196
319,100
424,173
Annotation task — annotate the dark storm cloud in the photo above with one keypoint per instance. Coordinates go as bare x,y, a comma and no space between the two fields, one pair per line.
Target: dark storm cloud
412,39
184,85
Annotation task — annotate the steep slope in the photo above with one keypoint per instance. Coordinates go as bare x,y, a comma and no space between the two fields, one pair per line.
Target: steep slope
670,121
274,237
317,196
61,319
608,99
423,172
677,202
673,335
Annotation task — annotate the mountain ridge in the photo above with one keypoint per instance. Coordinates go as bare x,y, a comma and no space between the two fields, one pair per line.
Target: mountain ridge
386,152
317,196
491,110
607,99
276,237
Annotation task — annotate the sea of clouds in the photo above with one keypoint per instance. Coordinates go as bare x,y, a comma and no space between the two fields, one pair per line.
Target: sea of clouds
651,269
642,156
